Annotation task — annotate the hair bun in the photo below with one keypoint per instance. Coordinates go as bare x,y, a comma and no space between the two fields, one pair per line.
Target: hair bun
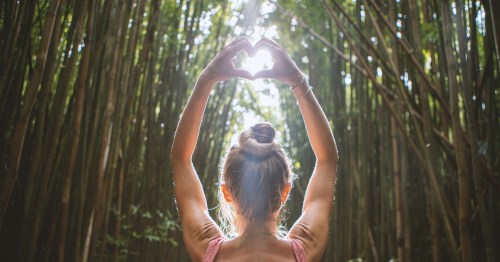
263,132
259,140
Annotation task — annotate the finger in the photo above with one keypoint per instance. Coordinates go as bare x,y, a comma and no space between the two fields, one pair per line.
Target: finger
243,44
242,74
237,40
275,51
275,44
272,42
233,42
265,74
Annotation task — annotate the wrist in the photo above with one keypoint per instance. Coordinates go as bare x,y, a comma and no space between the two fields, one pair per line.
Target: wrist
207,77
299,84
301,79
301,90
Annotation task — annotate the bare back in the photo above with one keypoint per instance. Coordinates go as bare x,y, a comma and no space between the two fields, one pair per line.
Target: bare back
267,248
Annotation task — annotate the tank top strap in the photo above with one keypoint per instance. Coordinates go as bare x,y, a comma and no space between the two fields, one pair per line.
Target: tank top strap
213,248
298,250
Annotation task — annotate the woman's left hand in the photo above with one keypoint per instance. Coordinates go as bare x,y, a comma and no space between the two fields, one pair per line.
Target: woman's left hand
222,68
284,68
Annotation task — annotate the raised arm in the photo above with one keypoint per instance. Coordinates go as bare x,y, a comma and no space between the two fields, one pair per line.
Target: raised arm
198,227
312,227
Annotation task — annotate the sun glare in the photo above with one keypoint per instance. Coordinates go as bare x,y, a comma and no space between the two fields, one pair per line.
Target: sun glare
262,60
264,93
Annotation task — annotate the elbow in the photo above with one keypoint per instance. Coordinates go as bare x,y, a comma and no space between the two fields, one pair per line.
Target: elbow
328,158
177,156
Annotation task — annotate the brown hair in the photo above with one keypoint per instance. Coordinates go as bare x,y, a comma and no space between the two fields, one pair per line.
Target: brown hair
255,172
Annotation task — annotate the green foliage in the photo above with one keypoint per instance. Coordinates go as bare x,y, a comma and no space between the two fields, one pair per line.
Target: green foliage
430,32
159,227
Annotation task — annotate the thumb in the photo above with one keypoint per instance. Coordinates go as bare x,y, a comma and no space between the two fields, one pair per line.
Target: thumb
265,74
242,74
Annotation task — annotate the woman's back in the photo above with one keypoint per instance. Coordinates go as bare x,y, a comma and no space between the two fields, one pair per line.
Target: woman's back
254,248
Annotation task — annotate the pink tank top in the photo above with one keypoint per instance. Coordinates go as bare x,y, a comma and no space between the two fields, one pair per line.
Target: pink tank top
214,246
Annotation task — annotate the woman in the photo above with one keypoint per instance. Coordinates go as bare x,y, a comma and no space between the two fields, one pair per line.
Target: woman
256,177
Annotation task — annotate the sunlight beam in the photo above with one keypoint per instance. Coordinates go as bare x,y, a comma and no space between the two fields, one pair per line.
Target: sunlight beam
262,60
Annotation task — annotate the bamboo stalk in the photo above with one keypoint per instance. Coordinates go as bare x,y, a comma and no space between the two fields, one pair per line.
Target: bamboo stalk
400,238
16,141
463,179
75,138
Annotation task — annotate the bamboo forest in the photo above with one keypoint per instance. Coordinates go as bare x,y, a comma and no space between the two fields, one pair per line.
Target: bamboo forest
91,92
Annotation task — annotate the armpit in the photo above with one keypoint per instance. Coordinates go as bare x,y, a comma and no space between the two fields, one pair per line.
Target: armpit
313,239
207,231
197,240
302,232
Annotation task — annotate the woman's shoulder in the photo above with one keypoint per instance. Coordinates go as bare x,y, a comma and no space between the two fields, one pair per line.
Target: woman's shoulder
198,241
308,244
213,248
298,250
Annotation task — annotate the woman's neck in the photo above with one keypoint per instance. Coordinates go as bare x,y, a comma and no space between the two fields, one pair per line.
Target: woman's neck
267,227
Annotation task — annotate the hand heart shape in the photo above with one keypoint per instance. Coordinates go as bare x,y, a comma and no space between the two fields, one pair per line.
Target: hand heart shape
284,69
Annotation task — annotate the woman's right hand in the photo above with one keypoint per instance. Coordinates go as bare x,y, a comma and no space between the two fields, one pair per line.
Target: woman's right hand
284,68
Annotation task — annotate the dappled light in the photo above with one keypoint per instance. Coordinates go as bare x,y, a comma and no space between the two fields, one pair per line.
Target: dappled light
91,93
